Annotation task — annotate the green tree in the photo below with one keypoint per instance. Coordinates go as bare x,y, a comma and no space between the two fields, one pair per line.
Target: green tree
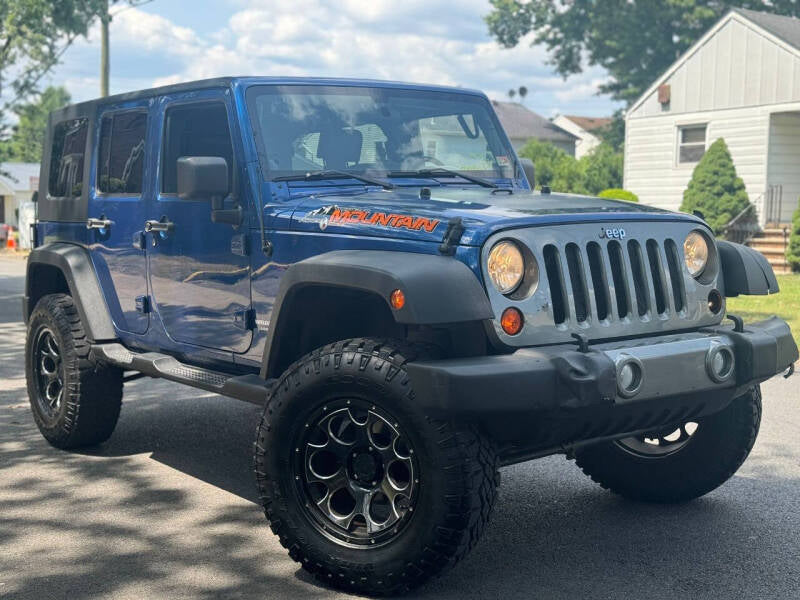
33,36
793,251
25,143
715,189
602,169
635,41
599,170
546,159
613,134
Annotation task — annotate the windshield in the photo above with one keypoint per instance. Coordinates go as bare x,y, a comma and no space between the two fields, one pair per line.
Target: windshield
377,131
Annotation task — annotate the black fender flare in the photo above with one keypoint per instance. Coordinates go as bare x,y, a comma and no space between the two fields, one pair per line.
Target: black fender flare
745,271
438,289
75,265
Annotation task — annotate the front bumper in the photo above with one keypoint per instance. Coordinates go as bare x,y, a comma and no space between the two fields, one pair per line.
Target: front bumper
561,378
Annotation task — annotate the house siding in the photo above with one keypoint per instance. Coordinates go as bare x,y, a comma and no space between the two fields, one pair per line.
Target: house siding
738,66
734,80
784,160
652,171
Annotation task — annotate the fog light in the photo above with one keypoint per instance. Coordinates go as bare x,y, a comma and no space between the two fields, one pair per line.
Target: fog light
714,301
630,375
511,321
719,362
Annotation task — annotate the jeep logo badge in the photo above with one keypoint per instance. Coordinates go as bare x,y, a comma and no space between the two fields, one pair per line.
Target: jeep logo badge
610,233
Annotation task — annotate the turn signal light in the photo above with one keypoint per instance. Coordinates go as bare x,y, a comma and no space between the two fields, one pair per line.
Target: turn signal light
397,299
511,321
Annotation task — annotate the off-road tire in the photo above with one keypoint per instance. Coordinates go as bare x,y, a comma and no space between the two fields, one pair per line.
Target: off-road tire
715,452
92,393
458,478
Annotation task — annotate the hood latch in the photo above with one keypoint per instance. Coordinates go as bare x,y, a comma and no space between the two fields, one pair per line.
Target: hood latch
455,229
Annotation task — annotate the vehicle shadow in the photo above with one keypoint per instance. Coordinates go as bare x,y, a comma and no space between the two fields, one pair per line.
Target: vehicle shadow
554,534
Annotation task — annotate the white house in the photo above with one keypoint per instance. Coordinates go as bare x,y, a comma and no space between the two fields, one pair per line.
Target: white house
583,128
740,82
18,181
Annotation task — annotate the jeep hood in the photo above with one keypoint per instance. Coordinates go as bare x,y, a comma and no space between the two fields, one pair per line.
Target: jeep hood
405,213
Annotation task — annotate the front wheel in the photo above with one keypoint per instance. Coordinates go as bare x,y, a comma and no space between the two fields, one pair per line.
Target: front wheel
364,490
681,462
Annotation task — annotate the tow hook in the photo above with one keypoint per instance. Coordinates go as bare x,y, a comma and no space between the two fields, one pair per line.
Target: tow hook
738,323
582,341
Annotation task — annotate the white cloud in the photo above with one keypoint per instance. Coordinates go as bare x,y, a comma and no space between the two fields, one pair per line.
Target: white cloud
425,41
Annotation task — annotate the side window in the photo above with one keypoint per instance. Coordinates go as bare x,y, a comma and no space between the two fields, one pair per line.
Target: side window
121,153
66,158
194,130
691,143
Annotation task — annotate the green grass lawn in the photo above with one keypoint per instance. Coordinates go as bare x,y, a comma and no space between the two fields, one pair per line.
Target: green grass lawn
786,304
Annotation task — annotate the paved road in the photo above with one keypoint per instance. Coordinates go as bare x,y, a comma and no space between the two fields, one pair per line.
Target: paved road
167,509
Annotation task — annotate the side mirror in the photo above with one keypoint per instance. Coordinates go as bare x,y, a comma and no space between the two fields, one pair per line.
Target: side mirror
35,196
529,170
202,177
206,178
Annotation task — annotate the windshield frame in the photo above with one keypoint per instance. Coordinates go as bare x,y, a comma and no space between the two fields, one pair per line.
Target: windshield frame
254,91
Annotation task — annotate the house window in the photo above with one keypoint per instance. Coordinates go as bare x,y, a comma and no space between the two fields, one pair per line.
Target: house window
691,143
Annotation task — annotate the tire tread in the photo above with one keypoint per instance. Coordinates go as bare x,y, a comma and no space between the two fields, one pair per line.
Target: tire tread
472,472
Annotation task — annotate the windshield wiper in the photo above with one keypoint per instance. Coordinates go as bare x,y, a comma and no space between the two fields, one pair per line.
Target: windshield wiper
335,174
442,172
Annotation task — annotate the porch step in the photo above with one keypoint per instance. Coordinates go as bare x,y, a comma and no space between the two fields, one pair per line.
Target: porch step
249,388
772,243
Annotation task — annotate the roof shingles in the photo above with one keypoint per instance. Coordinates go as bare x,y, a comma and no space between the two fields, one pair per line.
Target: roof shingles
785,28
521,123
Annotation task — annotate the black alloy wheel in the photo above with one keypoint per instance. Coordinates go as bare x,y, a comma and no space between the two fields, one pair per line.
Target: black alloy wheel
356,474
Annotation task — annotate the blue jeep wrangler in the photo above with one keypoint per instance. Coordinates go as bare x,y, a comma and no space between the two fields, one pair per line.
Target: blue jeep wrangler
368,261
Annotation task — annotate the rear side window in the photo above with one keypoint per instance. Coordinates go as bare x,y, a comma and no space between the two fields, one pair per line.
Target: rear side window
194,130
66,158
121,153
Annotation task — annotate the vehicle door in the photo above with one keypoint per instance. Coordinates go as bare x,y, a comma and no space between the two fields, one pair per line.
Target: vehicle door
118,199
199,270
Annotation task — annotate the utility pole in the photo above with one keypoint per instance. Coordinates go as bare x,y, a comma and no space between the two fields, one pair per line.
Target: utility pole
105,19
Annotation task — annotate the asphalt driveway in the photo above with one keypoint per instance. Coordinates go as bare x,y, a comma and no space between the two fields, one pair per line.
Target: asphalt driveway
167,509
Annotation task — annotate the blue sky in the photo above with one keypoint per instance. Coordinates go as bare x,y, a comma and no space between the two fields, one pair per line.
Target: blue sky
426,41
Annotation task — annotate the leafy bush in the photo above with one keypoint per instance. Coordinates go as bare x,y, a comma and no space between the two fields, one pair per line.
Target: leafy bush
546,159
715,189
598,170
793,251
618,194
602,169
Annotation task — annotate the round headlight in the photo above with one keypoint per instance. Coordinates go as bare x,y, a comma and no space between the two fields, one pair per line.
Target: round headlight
695,253
506,266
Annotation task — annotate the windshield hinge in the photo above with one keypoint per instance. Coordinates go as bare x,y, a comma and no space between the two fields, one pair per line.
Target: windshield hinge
455,229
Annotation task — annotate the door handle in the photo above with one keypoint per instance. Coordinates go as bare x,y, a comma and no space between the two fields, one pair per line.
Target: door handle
159,226
101,223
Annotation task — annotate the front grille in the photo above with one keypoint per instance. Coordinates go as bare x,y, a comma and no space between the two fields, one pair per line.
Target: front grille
614,280
606,288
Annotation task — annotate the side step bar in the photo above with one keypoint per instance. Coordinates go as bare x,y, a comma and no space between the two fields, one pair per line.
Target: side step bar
250,388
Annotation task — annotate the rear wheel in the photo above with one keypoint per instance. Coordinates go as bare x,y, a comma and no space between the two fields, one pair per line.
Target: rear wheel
679,462
364,490
75,402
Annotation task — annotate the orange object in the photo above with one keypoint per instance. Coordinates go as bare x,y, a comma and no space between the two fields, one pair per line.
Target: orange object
11,244
397,299
511,321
